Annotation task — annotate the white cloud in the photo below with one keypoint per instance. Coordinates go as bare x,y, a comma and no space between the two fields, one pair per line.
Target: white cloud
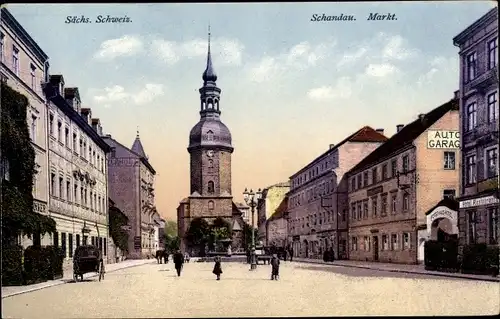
396,49
380,70
300,57
350,58
439,66
148,94
224,51
127,45
117,93
343,89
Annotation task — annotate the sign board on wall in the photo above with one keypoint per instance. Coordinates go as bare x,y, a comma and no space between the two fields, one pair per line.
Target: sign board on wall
443,139
488,200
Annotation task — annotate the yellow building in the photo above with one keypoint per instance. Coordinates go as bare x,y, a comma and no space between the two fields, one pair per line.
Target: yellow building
272,197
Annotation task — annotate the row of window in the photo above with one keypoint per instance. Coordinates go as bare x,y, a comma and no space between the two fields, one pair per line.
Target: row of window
473,218
69,247
89,152
77,192
473,69
328,163
16,61
363,179
492,110
490,166
359,209
392,242
314,219
312,193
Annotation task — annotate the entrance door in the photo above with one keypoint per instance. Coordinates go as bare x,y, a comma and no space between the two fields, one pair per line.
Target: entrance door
375,248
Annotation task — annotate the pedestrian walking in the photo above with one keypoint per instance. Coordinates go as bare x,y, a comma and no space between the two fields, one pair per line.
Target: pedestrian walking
178,262
217,267
291,253
285,254
165,256
275,267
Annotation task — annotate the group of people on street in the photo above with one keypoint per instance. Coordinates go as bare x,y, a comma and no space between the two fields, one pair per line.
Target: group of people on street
179,260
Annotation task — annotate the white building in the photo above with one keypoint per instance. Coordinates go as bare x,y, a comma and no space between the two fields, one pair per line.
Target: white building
78,184
24,67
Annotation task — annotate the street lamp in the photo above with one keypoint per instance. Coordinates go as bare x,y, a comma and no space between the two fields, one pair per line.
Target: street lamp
251,199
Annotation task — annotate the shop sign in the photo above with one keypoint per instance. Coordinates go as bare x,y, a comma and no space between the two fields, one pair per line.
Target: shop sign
488,200
443,139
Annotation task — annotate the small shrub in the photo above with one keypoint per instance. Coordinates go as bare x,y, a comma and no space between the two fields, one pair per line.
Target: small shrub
12,274
441,255
55,259
35,265
480,259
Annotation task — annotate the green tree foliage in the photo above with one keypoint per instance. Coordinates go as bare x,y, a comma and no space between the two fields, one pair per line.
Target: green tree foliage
117,219
219,230
172,243
18,216
198,232
171,228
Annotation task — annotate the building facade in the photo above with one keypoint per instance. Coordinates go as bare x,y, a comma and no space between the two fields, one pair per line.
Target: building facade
272,197
393,190
277,226
318,196
245,212
479,191
24,67
131,186
78,182
210,152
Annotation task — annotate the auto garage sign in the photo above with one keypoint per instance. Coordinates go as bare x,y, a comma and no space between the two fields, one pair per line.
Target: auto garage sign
443,139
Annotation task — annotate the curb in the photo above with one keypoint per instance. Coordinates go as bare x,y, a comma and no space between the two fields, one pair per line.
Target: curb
448,275
61,282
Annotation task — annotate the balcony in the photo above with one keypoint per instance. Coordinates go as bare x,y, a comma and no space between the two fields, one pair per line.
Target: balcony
481,82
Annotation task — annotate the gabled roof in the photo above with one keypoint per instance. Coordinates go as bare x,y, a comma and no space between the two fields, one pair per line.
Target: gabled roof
143,159
407,135
364,134
280,210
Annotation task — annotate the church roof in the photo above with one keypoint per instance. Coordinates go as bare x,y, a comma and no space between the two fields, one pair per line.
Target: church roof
209,74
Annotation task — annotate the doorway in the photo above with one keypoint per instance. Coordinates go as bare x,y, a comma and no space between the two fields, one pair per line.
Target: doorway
375,248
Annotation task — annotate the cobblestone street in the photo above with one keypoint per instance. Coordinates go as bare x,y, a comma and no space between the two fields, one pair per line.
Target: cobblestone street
154,290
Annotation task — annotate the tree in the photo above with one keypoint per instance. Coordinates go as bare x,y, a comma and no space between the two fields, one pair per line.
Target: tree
171,228
219,230
172,243
18,169
247,231
198,232
117,219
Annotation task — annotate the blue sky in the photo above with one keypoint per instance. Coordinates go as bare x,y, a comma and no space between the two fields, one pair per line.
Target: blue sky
290,87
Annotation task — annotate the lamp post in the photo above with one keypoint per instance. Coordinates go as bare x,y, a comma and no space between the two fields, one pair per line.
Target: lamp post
251,199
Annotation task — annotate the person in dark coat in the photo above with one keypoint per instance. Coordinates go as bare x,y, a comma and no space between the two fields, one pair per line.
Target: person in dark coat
217,267
178,261
291,253
275,267
285,254
326,255
165,256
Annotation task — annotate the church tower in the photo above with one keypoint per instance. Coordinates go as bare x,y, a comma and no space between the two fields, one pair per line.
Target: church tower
210,141
210,152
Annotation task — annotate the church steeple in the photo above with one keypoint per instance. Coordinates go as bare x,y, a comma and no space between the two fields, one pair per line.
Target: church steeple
209,93
209,74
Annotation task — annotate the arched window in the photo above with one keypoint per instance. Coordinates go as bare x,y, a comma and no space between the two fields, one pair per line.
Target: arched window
211,205
211,187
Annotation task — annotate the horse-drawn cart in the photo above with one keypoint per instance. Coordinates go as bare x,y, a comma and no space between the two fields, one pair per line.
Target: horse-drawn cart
87,259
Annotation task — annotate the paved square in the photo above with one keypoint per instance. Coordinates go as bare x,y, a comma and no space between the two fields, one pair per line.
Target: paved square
154,290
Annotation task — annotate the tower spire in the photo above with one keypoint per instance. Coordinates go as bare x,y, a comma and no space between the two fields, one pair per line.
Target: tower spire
209,74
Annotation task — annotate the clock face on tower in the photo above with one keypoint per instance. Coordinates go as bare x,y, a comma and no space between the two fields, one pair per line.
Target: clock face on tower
210,153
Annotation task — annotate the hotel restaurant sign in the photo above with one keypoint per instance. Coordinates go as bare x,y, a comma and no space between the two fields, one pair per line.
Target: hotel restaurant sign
443,139
488,200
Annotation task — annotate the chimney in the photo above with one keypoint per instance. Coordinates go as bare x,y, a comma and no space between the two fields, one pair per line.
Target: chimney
380,130
332,146
456,94
399,127
421,116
